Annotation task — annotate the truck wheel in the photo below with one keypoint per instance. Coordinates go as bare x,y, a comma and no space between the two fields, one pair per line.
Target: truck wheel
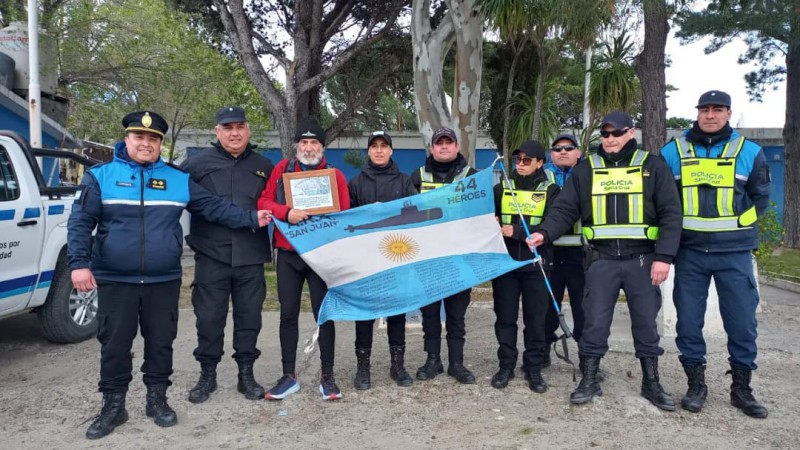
68,316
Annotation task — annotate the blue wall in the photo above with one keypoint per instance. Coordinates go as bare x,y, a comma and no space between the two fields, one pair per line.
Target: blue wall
776,161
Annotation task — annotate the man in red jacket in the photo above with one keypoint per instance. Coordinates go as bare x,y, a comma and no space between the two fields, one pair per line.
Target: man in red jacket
292,271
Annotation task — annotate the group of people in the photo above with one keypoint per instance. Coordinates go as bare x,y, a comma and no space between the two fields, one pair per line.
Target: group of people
616,220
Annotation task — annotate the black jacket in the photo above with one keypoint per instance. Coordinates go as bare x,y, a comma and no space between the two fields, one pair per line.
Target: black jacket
516,245
442,172
239,180
662,207
379,184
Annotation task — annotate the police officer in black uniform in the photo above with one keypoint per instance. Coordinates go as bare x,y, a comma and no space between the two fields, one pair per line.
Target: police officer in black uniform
229,264
533,192
444,166
380,181
630,213
135,202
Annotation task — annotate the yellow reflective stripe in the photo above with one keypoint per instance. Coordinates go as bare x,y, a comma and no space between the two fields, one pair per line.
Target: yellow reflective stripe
691,201
725,197
535,220
621,232
425,176
732,148
505,219
596,161
568,240
712,224
635,208
599,209
749,217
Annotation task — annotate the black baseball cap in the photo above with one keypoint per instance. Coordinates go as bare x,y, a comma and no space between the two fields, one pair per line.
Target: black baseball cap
309,128
715,98
230,114
567,136
145,121
618,119
379,134
444,132
531,148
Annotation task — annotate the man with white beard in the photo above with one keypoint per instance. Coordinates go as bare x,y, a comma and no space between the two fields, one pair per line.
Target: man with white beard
292,271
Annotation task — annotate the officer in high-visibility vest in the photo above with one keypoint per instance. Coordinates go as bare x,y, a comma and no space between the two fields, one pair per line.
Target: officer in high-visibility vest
567,274
724,183
531,193
630,213
445,165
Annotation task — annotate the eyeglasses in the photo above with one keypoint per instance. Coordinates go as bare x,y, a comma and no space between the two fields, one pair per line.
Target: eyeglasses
523,161
615,133
562,148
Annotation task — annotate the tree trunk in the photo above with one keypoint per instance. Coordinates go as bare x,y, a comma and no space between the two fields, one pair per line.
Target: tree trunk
537,107
650,68
512,72
429,50
791,140
469,69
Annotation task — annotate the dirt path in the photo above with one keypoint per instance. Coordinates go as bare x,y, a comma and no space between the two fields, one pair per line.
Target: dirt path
48,396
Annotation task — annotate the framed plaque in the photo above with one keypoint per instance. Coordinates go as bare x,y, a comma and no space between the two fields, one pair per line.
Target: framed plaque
313,191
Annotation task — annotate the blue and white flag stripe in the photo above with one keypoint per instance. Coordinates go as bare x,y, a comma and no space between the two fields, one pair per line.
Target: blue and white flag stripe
390,258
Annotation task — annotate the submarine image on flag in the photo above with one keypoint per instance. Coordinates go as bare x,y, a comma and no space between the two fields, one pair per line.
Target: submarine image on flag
408,214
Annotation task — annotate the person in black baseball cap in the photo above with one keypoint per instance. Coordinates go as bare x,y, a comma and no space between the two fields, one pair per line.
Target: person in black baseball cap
724,180
534,193
230,168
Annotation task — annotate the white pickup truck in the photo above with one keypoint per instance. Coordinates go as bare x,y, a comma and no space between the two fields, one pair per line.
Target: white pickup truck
33,245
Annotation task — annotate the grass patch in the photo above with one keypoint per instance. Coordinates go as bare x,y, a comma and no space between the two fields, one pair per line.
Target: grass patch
783,263
525,431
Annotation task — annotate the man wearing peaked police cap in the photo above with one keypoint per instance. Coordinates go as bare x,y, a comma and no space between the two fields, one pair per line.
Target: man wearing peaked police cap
630,213
724,183
445,165
380,180
134,261
229,264
293,272
567,274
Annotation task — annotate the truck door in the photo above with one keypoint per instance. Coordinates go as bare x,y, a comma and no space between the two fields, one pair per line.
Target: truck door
21,228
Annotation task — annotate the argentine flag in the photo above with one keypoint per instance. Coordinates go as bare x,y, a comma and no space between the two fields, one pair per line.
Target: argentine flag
390,258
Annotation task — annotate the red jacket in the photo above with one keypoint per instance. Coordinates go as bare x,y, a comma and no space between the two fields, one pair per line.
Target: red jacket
269,197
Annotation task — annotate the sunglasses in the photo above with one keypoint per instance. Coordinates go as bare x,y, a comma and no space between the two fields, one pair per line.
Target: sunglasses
615,133
563,148
523,161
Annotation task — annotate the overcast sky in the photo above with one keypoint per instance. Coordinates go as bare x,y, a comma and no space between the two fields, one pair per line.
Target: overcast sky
693,72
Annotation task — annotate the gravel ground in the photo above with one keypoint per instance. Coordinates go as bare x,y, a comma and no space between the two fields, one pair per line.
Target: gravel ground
48,396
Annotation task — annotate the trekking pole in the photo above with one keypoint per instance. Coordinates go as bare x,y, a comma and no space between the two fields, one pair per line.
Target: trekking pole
538,259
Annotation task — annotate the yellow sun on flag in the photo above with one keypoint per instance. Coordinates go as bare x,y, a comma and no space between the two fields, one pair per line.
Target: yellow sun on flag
399,248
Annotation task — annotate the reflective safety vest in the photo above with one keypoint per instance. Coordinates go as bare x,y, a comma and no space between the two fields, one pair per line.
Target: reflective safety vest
531,203
628,181
566,240
428,184
718,173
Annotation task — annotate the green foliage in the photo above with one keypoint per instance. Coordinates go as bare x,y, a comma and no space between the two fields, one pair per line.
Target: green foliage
770,234
614,83
679,123
356,158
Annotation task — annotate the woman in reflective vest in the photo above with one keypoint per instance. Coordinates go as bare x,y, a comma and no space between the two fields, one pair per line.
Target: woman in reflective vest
529,196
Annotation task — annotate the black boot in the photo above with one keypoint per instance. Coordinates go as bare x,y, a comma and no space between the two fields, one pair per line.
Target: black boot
247,383
111,415
158,408
742,394
205,385
460,373
651,387
600,376
535,381
362,378
588,387
432,367
502,377
398,371
696,395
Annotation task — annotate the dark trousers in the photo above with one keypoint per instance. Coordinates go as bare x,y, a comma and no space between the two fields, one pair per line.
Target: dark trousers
214,284
506,291
122,309
604,279
455,308
292,272
567,277
738,300
395,328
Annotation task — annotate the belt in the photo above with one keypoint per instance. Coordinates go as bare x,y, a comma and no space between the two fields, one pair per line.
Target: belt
623,257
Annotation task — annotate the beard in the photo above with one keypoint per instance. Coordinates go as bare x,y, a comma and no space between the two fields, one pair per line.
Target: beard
310,160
